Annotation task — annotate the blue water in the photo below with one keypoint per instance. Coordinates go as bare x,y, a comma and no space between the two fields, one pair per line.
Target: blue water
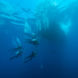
52,61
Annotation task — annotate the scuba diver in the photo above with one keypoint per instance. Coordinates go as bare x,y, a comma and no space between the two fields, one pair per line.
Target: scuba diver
33,39
18,52
30,57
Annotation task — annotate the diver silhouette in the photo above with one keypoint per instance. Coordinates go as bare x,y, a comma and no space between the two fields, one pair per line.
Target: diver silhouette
30,57
33,39
18,52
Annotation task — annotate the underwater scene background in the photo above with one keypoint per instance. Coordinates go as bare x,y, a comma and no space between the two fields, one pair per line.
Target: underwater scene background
38,39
